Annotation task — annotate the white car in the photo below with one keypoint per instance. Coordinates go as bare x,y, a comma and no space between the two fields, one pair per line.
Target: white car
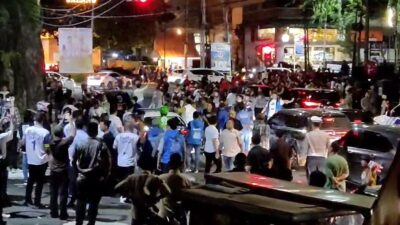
104,78
178,76
58,76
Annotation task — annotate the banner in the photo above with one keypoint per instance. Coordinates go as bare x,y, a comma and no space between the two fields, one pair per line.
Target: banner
75,46
221,56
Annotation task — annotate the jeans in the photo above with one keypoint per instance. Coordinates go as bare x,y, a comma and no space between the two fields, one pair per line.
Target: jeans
37,175
210,158
3,185
124,172
189,157
246,139
25,166
72,183
164,168
88,192
59,190
228,162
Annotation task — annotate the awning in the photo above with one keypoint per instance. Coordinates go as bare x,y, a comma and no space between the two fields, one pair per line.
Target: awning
174,45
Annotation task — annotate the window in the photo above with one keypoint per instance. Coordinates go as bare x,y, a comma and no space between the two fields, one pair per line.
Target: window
277,120
335,122
353,139
375,142
115,75
296,122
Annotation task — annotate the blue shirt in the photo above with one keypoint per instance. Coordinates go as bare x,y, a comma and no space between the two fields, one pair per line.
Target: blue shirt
80,137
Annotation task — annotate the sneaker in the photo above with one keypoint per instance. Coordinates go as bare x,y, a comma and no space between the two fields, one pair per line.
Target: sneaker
122,199
6,215
64,217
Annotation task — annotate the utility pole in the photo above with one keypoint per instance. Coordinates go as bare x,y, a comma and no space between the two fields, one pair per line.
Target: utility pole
203,34
366,47
185,47
395,7
92,19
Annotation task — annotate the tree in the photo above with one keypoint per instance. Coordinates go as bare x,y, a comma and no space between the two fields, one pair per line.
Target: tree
21,54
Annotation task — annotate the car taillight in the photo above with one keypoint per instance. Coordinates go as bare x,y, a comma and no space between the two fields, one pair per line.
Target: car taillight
337,105
310,104
357,121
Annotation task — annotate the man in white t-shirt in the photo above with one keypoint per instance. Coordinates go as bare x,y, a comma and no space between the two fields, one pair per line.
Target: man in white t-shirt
318,143
231,99
125,145
116,126
211,147
189,110
36,140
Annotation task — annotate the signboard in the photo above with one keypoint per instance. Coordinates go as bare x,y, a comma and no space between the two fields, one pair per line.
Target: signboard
75,45
221,56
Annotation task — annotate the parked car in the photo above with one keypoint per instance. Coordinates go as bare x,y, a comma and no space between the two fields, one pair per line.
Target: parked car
57,76
295,123
178,76
313,98
376,142
103,78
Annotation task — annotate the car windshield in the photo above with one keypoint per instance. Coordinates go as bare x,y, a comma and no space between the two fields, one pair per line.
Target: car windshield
335,122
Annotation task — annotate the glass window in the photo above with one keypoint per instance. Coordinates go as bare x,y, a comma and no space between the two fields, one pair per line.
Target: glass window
353,139
375,142
335,122
296,121
277,120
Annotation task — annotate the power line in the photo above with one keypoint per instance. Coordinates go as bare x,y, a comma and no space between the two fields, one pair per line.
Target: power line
85,21
80,13
64,10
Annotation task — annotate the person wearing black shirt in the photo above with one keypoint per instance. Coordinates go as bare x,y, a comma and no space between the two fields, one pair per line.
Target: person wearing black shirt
108,139
258,159
59,172
281,153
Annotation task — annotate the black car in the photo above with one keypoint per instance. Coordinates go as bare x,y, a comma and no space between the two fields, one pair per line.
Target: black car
376,143
295,123
309,98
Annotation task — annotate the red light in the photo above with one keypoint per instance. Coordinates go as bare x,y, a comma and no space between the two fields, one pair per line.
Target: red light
329,120
357,122
310,104
338,104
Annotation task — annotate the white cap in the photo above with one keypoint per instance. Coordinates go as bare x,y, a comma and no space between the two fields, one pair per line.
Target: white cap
42,106
316,119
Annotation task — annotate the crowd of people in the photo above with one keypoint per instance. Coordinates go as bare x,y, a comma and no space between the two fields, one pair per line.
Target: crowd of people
102,144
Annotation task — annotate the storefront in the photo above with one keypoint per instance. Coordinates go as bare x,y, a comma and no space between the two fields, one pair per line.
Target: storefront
274,45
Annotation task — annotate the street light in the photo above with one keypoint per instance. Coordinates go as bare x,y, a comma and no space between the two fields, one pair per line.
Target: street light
285,38
179,31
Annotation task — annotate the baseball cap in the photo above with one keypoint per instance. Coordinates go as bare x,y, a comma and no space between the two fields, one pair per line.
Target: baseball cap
316,119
